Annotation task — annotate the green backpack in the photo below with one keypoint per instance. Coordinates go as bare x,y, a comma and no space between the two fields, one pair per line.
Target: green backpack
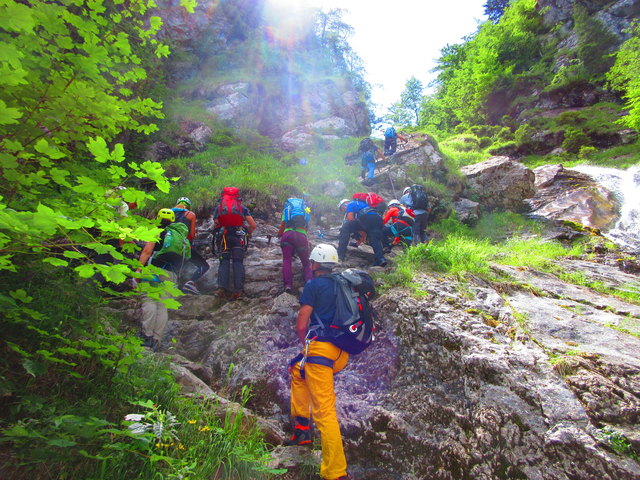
176,241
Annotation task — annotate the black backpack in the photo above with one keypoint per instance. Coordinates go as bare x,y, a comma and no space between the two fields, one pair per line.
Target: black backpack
419,198
366,145
352,329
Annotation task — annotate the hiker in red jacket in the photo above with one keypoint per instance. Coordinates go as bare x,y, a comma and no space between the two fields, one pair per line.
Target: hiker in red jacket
230,240
398,221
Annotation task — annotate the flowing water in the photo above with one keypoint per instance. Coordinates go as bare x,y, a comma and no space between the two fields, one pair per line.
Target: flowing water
625,185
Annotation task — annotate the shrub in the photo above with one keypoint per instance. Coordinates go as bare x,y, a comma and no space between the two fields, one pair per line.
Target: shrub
524,134
586,153
574,139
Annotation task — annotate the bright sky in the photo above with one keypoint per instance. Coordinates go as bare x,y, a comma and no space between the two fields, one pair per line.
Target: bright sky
398,39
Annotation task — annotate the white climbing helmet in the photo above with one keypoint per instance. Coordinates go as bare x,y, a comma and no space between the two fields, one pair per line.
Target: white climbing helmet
343,202
324,253
393,202
184,200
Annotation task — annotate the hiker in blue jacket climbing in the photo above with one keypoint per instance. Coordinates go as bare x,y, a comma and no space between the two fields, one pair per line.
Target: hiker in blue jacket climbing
312,390
391,137
368,152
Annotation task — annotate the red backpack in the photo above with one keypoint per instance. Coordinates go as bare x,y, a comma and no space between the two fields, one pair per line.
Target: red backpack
372,199
230,209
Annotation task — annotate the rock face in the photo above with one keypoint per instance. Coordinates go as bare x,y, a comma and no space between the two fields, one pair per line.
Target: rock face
481,383
419,160
564,194
276,95
320,111
616,15
500,183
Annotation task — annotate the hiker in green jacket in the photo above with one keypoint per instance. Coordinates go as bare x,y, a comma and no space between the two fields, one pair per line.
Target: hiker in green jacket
170,253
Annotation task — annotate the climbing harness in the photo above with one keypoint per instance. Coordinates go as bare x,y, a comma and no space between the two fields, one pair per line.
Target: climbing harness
304,358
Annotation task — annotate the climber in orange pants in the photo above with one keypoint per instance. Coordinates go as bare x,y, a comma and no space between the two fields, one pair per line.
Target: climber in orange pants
312,390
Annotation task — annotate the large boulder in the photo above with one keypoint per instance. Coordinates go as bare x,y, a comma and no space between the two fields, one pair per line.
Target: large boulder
565,194
467,211
500,183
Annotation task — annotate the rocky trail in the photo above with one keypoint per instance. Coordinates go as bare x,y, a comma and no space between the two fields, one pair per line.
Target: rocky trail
477,380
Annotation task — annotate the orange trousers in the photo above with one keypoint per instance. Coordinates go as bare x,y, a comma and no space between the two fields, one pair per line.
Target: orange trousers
314,396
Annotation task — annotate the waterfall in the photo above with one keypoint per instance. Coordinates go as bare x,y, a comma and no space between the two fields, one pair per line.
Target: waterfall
625,185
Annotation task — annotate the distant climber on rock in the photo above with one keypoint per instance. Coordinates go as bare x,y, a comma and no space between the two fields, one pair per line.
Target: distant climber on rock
368,152
415,198
294,240
312,372
391,140
171,253
186,216
233,226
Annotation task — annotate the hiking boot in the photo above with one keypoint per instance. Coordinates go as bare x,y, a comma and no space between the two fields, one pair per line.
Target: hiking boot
288,290
381,263
221,293
301,433
148,342
190,287
237,295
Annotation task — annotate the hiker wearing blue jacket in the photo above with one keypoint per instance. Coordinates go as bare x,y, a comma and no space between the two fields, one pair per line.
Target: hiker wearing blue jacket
312,372
368,153
391,140
360,216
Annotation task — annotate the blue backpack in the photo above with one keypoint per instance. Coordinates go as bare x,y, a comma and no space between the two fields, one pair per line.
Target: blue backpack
368,157
390,133
296,213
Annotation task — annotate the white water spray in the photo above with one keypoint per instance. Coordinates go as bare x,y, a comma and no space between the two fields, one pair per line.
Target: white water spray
625,185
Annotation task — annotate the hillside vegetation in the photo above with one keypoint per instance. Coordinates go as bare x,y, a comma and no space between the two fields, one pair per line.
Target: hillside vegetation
542,92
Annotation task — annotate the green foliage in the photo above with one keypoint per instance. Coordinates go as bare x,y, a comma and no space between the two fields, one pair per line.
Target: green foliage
573,73
75,80
494,9
505,238
631,295
398,114
259,175
618,442
411,98
595,42
491,60
462,143
574,140
625,76
459,151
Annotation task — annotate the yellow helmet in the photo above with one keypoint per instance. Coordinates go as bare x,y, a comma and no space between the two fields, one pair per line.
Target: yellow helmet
166,213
